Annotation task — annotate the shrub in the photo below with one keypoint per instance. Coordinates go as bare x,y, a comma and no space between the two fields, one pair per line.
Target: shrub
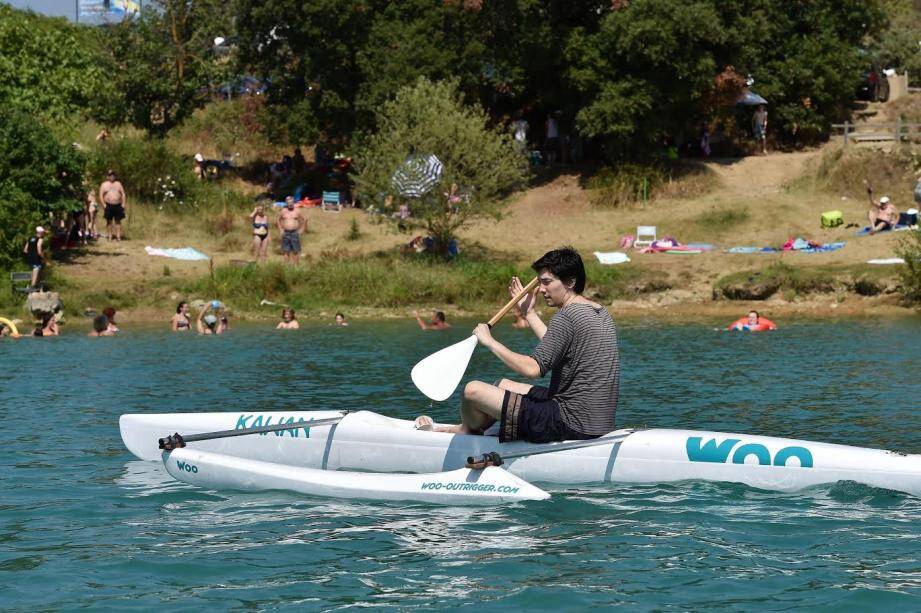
845,171
910,250
636,182
38,175
148,169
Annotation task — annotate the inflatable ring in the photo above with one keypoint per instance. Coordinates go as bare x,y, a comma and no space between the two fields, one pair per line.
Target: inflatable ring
13,331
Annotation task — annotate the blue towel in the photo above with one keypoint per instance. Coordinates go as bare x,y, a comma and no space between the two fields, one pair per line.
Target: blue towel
866,230
823,249
752,250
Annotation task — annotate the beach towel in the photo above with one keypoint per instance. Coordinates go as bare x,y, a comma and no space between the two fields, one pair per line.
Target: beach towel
821,248
752,250
865,231
612,257
186,253
883,261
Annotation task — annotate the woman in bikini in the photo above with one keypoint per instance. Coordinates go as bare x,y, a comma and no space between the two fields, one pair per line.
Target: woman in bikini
181,321
261,237
92,207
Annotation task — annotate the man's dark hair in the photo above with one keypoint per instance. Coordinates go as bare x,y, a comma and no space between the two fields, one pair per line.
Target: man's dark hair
440,316
565,263
100,323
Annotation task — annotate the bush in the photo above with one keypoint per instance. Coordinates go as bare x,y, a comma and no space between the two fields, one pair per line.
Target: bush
148,169
844,171
910,250
38,175
632,182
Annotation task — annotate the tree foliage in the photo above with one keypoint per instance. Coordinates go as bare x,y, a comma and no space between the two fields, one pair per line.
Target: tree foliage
38,175
48,67
431,119
161,65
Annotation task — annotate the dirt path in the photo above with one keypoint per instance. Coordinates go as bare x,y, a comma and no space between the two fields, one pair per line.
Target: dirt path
760,174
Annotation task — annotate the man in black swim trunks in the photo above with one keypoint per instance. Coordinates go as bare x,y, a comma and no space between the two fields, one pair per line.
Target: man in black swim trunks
579,348
115,205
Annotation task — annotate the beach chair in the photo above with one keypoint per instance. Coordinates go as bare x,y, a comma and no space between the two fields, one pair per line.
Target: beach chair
645,236
331,202
21,282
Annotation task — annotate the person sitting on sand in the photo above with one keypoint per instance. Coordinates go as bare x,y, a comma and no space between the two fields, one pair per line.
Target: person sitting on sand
288,320
109,312
883,215
437,322
752,323
101,327
579,347
209,321
181,321
48,327
340,320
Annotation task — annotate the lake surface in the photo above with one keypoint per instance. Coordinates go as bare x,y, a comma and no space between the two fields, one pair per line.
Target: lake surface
83,524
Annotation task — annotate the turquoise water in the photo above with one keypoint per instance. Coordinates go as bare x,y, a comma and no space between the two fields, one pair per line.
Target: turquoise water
83,524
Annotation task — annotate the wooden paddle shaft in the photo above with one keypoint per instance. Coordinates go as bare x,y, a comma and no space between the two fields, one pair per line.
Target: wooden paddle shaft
511,303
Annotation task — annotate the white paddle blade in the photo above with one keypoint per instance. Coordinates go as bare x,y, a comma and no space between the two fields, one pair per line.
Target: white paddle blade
438,375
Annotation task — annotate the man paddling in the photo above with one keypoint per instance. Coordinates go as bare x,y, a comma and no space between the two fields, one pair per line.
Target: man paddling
579,347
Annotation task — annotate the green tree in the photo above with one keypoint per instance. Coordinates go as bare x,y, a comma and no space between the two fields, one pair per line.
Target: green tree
897,45
430,119
48,67
38,175
161,64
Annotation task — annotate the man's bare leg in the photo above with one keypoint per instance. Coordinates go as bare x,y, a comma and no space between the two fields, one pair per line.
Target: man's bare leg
481,407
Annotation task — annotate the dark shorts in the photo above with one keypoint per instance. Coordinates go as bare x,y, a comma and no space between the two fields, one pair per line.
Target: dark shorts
114,212
290,241
534,417
36,265
885,225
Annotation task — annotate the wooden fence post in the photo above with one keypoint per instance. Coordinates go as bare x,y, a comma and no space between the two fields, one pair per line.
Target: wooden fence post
898,130
847,125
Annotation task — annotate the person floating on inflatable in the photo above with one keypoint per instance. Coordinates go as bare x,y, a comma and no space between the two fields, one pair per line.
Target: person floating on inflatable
752,323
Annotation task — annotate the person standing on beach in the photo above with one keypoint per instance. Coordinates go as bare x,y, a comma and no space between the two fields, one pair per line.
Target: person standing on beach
115,205
759,127
261,238
579,347
291,225
35,255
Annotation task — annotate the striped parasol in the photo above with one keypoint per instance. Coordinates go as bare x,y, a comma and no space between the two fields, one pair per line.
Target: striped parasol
417,176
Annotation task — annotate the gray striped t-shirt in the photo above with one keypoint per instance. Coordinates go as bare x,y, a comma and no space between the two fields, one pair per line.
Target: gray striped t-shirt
580,347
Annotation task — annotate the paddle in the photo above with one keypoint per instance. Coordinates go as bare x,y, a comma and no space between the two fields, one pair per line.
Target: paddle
438,375
175,441
493,458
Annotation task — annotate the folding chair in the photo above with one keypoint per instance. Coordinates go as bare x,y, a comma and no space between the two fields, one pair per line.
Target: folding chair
645,236
331,202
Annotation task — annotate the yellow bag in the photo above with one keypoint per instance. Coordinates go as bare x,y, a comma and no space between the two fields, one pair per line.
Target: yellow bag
832,219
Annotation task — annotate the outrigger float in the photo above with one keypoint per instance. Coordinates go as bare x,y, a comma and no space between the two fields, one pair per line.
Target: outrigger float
369,456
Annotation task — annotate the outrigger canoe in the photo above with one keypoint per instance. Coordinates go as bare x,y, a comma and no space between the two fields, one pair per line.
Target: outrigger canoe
368,455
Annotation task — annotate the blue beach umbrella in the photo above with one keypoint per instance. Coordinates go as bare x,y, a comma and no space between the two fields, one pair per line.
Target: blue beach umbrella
417,176
750,98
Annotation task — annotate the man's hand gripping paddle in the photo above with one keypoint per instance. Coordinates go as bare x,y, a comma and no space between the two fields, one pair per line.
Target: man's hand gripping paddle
438,375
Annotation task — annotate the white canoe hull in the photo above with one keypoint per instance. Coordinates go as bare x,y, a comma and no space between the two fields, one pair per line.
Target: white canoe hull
458,487
365,441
